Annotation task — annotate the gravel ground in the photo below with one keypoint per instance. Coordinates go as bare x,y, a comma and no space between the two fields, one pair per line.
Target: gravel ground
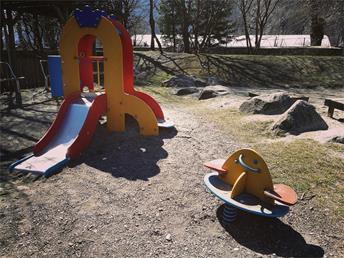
134,196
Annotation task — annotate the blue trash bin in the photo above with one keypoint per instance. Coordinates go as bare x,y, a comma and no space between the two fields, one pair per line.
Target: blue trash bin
55,71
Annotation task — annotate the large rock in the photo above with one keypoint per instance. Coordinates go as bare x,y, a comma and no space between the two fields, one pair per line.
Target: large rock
213,91
182,80
268,104
186,91
300,117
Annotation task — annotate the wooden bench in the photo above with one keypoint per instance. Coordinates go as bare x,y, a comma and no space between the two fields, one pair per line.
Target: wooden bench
332,105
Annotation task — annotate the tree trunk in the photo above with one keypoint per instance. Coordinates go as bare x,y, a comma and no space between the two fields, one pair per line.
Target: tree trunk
11,47
126,14
196,26
247,35
159,44
37,34
134,42
2,45
174,27
317,23
244,8
152,23
260,38
341,27
185,32
60,15
174,37
258,28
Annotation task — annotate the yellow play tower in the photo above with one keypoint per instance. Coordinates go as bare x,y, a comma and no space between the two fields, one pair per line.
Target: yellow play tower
119,102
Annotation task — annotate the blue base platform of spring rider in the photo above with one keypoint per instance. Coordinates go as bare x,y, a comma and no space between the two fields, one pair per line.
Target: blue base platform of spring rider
244,201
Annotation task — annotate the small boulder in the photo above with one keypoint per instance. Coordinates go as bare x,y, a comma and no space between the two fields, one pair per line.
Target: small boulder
186,91
268,104
335,134
182,80
300,117
338,139
213,91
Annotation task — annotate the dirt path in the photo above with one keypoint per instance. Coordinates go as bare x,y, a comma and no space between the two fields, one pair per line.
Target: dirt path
133,196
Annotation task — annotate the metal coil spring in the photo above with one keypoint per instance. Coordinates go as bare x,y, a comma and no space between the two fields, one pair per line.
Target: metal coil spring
229,214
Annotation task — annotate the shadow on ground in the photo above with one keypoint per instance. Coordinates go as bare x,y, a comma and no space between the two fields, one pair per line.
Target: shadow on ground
128,155
240,72
22,127
254,71
269,236
125,154
170,64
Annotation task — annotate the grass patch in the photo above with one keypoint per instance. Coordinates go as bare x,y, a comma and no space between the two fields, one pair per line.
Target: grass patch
152,79
158,78
160,94
335,147
233,123
307,166
164,95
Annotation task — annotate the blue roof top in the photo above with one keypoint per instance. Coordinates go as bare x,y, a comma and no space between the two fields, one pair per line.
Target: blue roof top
88,17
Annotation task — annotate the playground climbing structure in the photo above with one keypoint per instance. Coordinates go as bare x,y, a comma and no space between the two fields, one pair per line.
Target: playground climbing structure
77,119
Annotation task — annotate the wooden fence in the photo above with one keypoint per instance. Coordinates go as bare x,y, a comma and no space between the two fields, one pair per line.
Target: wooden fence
27,64
298,51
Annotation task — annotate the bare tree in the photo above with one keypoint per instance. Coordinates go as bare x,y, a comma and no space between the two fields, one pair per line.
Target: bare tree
8,20
255,15
128,12
33,29
245,7
152,26
264,10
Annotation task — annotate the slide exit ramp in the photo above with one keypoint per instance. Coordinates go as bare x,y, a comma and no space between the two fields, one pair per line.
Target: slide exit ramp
67,137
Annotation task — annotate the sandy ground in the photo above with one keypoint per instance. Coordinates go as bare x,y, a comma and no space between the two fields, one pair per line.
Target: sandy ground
134,196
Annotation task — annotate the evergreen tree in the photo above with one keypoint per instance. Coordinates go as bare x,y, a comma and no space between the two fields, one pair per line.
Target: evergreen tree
202,22
169,22
212,23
